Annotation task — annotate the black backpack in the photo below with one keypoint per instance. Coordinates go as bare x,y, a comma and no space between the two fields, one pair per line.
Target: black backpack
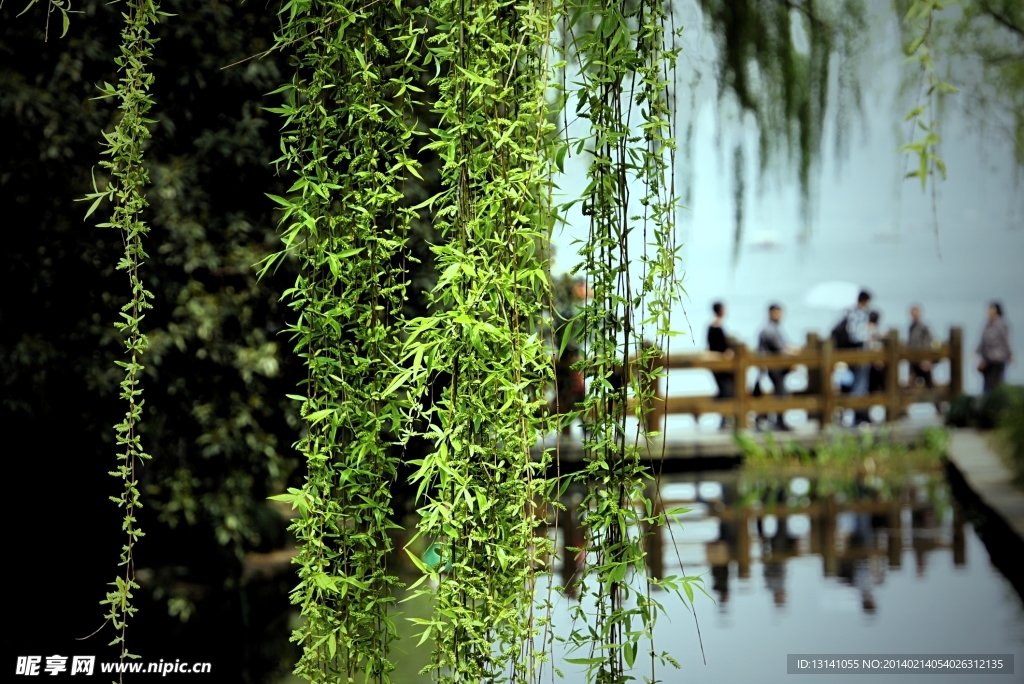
841,334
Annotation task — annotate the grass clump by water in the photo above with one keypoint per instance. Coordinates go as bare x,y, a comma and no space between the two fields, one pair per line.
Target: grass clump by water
847,461
1008,420
1012,431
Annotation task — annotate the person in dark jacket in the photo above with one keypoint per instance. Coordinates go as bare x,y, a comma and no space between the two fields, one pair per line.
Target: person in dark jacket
994,348
719,342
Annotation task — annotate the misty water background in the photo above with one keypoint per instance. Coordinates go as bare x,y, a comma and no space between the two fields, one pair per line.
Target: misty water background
869,225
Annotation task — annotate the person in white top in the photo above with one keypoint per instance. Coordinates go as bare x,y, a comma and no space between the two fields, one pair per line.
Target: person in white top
857,330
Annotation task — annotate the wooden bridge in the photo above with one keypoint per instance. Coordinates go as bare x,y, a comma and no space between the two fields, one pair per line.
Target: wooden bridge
820,400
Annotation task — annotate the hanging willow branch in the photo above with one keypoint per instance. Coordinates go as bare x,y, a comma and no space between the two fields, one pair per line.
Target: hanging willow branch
470,376
920,19
774,58
626,63
346,140
125,146
479,485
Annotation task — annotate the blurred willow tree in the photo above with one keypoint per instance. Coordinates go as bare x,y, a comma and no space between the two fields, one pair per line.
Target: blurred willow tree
984,48
780,62
774,61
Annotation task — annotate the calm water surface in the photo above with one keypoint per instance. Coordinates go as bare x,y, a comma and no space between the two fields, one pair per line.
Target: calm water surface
805,565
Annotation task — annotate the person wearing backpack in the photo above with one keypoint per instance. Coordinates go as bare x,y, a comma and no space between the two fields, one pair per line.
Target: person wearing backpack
840,336
852,333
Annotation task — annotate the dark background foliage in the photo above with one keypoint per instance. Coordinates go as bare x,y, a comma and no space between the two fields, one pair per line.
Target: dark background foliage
216,421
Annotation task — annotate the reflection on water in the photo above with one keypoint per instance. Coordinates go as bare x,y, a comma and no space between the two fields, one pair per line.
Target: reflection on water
801,564
859,533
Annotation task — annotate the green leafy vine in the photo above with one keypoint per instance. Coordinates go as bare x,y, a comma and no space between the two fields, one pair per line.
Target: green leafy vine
62,6
482,347
125,145
920,19
626,63
469,377
346,139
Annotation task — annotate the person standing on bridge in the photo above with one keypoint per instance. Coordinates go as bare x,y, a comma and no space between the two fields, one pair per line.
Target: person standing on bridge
994,348
719,342
854,335
772,341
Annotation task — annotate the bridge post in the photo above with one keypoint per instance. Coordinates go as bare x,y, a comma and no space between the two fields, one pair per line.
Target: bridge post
893,395
956,362
740,364
825,364
814,382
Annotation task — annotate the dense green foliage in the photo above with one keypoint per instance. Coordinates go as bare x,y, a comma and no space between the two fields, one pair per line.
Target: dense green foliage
845,455
347,141
984,412
478,487
1012,425
477,484
1000,411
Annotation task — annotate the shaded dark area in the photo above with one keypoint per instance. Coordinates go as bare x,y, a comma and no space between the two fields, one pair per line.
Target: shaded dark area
216,421
1003,545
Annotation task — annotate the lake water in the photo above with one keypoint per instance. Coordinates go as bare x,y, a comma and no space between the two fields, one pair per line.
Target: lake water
802,565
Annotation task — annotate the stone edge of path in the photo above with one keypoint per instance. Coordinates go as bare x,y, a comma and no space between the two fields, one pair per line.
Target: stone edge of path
988,477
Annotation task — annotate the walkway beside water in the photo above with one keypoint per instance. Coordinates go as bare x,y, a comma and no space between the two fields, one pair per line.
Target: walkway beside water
989,478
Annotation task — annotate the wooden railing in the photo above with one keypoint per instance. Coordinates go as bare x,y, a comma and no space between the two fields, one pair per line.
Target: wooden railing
819,399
